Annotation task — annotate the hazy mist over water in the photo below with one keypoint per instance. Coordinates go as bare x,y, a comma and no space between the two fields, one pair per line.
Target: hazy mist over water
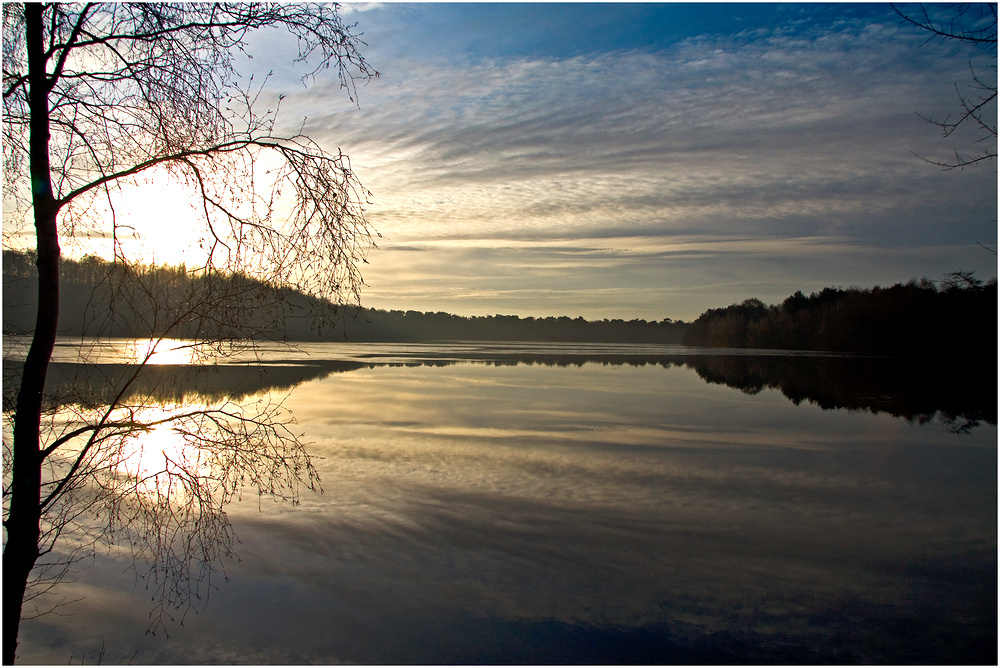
477,509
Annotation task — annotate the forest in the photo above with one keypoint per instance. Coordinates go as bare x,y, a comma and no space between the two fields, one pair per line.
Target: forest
915,319
954,317
142,300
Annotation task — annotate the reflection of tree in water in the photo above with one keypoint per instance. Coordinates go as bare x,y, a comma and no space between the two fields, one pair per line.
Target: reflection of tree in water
910,389
142,459
95,385
916,390
204,450
913,389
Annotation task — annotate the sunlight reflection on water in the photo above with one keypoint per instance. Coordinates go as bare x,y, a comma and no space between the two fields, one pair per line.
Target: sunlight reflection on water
158,460
153,455
593,512
109,351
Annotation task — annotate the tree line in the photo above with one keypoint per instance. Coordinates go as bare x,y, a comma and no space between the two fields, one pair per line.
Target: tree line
396,325
918,318
125,299
144,300
954,317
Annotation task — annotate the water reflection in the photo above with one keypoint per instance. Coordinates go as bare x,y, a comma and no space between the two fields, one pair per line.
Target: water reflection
159,460
537,506
590,513
96,384
911,389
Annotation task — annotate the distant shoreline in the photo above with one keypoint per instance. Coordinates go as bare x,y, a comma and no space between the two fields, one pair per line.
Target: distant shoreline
915,320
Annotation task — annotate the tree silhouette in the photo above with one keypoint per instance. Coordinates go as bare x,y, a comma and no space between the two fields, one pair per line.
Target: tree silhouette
915,320
98,97
974,24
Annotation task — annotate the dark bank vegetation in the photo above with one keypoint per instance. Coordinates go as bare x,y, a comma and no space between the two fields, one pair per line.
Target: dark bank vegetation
141,300
956,317
915,319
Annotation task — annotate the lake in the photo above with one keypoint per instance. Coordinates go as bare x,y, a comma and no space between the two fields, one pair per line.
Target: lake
543,503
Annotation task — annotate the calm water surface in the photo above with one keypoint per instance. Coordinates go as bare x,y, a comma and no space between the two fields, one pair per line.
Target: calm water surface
522,504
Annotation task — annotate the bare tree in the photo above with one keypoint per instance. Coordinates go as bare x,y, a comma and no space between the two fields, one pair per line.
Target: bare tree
100,96
974,24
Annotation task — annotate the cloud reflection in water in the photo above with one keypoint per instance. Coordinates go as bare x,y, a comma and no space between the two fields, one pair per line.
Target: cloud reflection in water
593,513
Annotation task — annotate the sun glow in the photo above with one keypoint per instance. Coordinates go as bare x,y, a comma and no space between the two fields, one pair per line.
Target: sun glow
163,351
160,461
167,218
160,221
161,450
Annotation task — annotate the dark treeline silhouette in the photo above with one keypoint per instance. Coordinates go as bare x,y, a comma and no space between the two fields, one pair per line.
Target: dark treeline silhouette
91,286
916,319
118,299
376,325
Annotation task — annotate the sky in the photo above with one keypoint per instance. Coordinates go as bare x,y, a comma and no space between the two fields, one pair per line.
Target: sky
647,160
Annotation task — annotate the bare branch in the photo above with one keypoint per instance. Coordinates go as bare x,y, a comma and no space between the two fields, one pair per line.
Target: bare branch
119,91
978,111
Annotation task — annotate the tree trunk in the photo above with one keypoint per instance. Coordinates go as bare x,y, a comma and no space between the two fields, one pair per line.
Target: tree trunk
23,520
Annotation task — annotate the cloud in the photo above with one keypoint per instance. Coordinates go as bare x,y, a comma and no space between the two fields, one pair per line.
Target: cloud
636,275
801,128
805,131
351,8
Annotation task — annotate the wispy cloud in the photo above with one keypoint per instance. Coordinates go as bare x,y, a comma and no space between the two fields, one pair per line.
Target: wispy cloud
805,131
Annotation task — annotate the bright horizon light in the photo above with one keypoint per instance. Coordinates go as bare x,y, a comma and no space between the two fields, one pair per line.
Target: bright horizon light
160,223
